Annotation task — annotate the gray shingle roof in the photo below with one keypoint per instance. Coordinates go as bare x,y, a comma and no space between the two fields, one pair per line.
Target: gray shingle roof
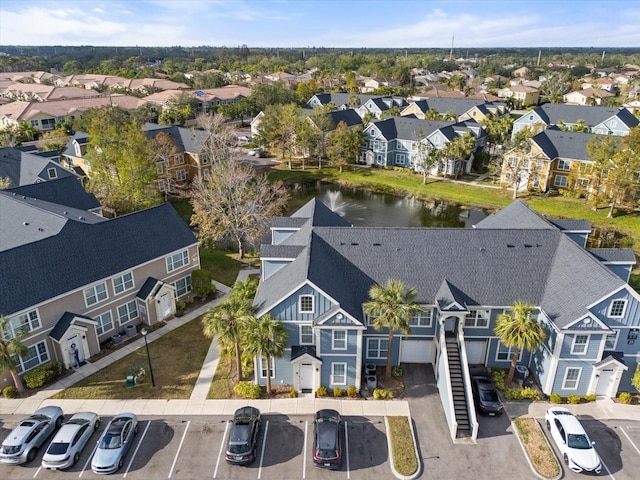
517,215
567,145
24,168
407,128
66,191
65,322
349,116
555,113
186,139
618,255
100,250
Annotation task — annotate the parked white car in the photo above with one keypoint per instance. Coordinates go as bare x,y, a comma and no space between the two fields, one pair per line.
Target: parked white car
67,445
24,441
573,442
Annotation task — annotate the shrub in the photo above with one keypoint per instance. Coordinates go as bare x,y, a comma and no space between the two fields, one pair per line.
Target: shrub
337,392
181,305
248,390
201,285
293,393
573,399
380,394
396,372
10,392
352,391
322,391
555,398
590,397
42,374
527,393
498,375
625,397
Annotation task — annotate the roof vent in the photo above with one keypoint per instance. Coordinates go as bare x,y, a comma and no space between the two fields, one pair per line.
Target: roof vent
81,218
65,212
354,243
510,246
527,245
25,223
40,229
377,244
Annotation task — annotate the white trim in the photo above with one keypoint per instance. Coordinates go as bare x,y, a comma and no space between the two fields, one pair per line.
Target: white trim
333,364
378,349
273,367
333,338
624,307
509,353
93,287
290,293
577,380
300,342
313,304
615,332
359,338
133,282
586,344
624,287
589,315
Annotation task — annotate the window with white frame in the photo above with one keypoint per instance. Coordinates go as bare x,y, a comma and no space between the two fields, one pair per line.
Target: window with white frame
161,185
339,339
306,335
421,319
178,158
263,368
27,322
159,168
52,173
617,308
305,304
177,260
127,312
123,283
611,340
400,159
377,347
36,355
564,165
579,345
338,373
477,318
95,294
560,181
504,353
571,378
181,176
105,322
182,286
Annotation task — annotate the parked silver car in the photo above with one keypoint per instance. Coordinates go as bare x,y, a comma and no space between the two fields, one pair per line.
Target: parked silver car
24,441
115,442
68,443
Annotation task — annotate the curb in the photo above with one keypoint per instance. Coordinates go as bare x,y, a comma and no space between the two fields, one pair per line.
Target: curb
415,448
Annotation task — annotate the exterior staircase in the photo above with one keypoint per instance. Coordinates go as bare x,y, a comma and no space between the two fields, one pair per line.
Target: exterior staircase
460,400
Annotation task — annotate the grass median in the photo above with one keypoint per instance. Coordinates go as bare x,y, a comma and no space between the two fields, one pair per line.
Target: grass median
541,456
402,447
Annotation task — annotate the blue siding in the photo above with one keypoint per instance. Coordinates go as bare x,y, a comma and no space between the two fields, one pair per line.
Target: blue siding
269,267
540,365
625,381
325,374
382,361
283,373
632,312
579,238
552,334
326,342
491,359
280,235
623,344
622,271
583,382
288,308
593,347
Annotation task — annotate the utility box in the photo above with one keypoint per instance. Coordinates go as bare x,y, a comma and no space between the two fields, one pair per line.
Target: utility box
130,381
522,372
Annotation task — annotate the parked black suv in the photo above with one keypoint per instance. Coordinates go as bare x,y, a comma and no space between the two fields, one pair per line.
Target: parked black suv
243,439
327,443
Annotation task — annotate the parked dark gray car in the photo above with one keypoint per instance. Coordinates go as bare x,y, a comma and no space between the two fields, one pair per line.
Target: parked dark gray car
243,439
327,443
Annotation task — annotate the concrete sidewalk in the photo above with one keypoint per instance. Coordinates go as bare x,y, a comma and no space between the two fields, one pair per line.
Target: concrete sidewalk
602,409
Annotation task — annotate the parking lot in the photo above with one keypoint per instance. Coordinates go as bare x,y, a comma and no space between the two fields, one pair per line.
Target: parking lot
194,448
617,444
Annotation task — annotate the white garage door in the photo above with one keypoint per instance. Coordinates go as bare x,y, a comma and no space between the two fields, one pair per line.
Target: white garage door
416,351
475,352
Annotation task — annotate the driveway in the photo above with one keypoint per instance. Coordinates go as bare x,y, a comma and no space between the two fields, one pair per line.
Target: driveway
497,453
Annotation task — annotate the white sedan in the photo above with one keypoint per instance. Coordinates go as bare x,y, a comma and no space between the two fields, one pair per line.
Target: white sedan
66,447
573,442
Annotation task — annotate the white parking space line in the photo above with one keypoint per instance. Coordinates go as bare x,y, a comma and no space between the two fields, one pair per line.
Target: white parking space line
346,447
173,465
86,464
304,450
37,471
137,448
224,437
264,443
604,465
629,438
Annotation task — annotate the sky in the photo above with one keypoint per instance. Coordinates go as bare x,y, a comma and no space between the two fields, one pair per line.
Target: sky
326,23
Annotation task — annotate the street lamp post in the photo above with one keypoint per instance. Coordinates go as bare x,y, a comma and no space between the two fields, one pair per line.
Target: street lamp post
144,332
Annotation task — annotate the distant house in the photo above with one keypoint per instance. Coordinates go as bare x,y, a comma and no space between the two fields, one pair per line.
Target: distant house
521,94
599,120
25,168
378,106
374,83
588,96
460,108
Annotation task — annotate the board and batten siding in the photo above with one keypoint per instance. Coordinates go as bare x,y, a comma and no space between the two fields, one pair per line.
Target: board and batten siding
287,310
631,315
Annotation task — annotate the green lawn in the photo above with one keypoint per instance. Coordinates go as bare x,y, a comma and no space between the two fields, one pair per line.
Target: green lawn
403,449
176,357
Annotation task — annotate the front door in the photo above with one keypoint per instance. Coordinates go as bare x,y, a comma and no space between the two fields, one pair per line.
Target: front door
306,378
74,347
603,386
165,305
450,324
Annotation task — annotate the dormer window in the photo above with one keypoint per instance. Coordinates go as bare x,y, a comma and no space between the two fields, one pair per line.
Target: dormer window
52,173
617,308
305,304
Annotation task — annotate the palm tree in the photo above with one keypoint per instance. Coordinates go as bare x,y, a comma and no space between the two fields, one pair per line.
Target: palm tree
519,330
9,349
391,306
226,321
265,337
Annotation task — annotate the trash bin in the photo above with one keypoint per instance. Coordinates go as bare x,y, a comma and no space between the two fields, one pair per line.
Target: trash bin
130,381
372,382
522,372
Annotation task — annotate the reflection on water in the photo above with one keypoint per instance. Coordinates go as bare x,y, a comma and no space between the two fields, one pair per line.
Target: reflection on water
368,209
